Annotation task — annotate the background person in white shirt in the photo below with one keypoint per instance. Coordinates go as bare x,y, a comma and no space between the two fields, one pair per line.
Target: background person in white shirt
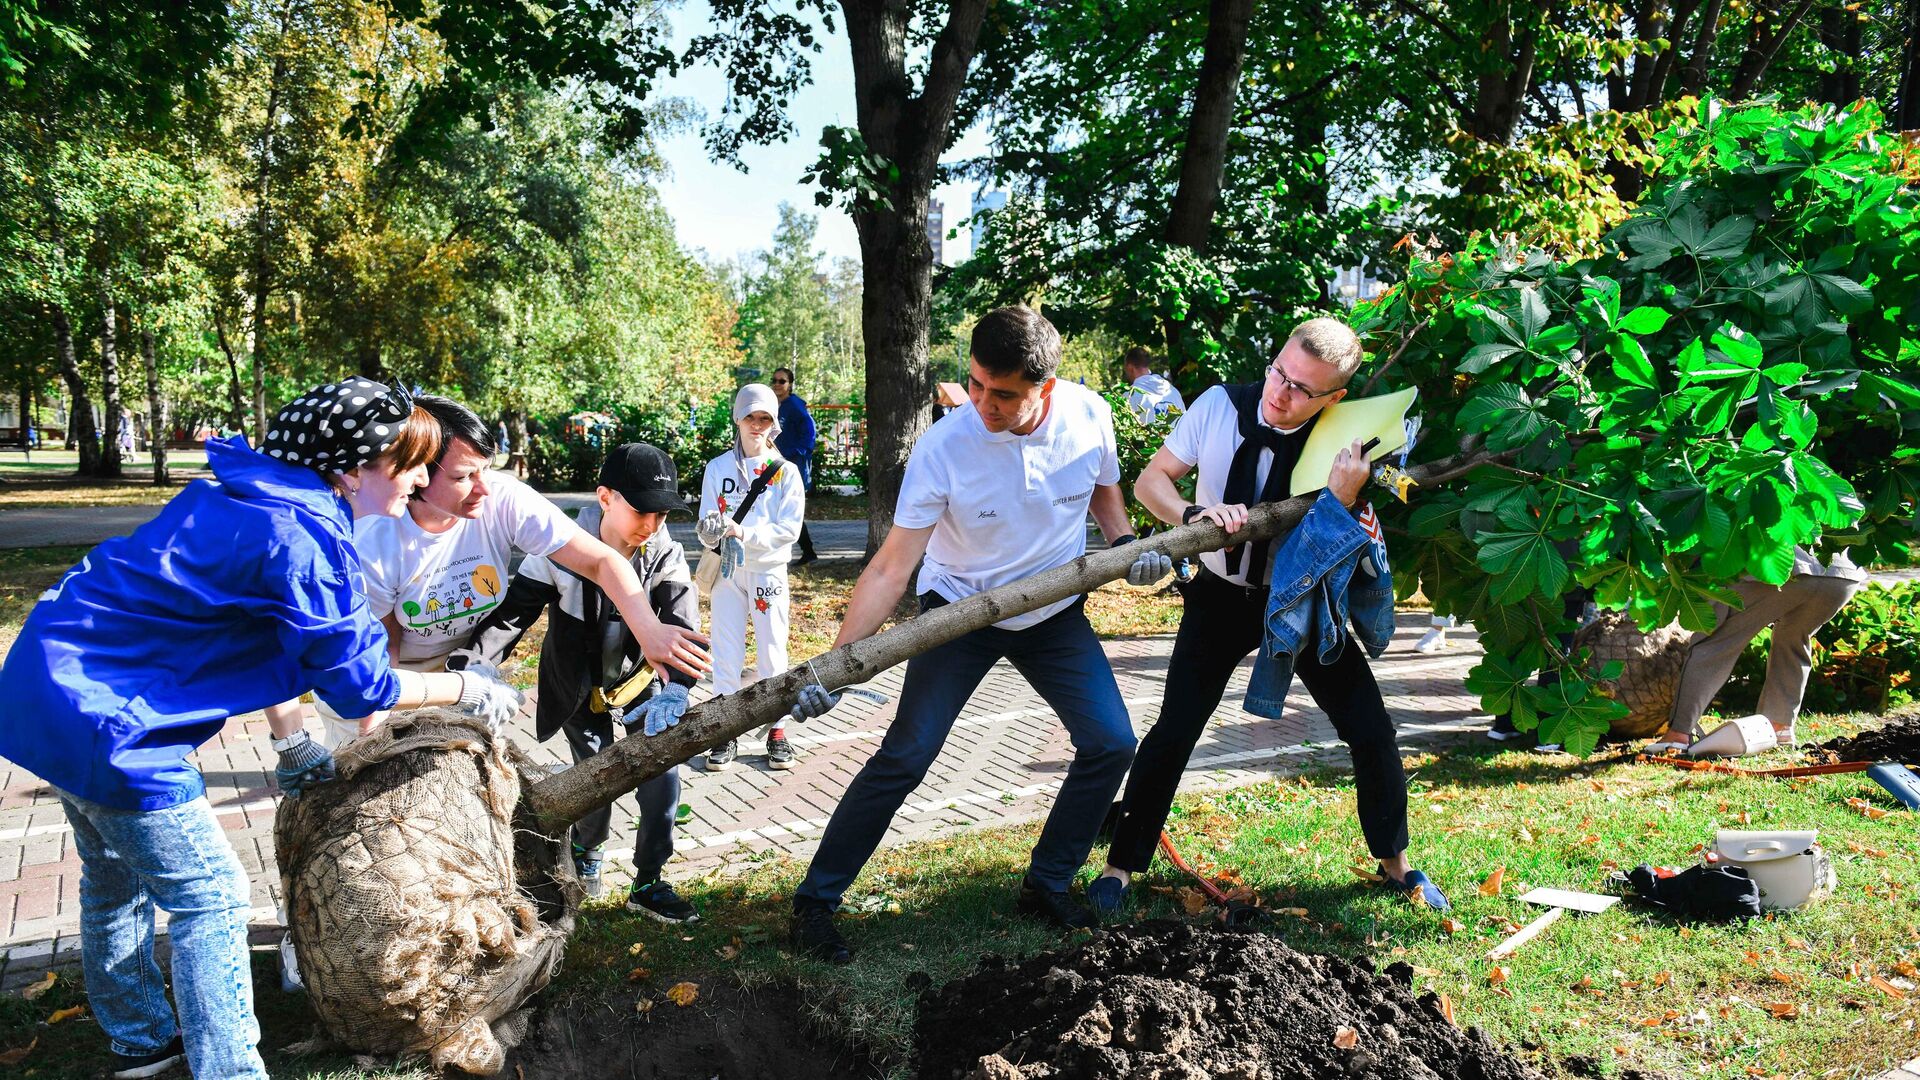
755,591
1151,396
434,573
997,491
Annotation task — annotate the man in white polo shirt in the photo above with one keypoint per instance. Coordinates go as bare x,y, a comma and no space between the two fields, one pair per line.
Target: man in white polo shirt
997,491
434,573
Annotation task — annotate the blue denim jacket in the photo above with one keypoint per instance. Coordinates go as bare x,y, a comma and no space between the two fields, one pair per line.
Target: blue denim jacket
1317,582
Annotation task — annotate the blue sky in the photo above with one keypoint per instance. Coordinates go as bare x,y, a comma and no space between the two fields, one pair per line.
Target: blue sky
727,213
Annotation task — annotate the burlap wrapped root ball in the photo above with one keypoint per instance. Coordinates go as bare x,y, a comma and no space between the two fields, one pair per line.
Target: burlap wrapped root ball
1651,665
422,919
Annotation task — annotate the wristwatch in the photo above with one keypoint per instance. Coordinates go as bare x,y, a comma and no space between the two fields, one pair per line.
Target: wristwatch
281,746
1191,512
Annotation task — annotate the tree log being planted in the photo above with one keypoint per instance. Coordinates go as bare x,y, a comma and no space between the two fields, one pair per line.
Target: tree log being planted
564,798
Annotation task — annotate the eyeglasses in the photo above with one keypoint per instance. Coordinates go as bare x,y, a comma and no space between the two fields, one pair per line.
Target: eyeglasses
1308,392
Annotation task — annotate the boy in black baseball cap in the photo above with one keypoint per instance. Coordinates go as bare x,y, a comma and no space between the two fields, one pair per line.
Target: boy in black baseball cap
591,670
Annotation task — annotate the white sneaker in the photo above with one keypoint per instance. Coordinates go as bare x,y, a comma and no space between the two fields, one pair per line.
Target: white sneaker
1432,641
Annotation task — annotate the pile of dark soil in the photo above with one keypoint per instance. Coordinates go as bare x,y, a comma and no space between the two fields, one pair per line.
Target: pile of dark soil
1898,740
727,1034
1167,1001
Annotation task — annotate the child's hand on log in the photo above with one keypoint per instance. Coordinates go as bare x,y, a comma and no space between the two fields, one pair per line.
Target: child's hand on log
664,709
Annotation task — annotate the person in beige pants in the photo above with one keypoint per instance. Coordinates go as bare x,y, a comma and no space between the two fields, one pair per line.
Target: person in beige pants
1796,610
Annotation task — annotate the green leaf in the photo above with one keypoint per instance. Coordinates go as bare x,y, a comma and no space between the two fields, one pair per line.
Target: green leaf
1498,681
1645,320
1630,363
1522,564
1481,357
1554,340
1533,313
1509,416
1847,296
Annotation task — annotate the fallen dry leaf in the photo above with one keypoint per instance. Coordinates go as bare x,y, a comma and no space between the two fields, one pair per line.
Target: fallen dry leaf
636,948
1867,809
1365,874
731,950
1296,912
1783,1010
1781,977
1446,1007
683,994
67,1013
639,973
45,983
1193,901
1491,886
1497,976
1346,1038
1451,926
1662,978
643,1006
1905,967
1887,988
18,1055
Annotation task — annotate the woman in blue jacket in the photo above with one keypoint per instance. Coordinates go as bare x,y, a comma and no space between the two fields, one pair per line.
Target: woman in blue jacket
238,596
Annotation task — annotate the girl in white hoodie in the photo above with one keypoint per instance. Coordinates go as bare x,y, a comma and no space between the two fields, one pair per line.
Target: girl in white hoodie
753,582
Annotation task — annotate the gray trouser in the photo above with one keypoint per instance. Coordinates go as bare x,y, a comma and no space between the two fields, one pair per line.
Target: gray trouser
1794,610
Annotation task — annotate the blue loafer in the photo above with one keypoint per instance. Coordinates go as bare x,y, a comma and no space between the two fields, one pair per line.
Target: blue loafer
1106,896
1418,888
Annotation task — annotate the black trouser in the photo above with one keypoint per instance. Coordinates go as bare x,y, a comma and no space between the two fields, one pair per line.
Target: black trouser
806,543
588,733
1221,625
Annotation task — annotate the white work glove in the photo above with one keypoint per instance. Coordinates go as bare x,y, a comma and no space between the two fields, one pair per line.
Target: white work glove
664,709
733,556
712,529
485,696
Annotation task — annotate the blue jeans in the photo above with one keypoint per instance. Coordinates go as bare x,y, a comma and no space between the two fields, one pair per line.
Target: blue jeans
179,860
1062,659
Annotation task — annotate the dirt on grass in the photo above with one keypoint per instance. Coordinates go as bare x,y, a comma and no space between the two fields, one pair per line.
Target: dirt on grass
1898,740
725,1033
1170,1001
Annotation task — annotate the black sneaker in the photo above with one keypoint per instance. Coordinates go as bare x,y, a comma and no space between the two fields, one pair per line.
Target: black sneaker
779,751
720,758
586,866
1055,907
659,901
135,1066
813,934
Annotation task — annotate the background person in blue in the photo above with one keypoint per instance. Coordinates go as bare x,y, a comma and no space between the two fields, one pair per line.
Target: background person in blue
795,443
239,596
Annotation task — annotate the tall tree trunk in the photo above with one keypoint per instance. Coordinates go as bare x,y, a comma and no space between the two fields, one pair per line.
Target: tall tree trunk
156,411
517,432
1906,108
262,229
910,131
26,409
110,380
1693,74
1204,155
236,396
1840,33
80,432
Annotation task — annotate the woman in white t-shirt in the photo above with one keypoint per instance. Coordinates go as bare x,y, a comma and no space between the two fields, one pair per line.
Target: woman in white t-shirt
754,551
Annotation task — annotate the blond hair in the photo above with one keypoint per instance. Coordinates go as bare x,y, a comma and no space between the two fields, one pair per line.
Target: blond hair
1330,341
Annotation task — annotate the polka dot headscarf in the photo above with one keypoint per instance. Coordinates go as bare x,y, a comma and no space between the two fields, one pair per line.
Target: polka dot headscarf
339,426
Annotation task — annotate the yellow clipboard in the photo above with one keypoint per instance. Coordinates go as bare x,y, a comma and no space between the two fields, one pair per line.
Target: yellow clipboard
1383,418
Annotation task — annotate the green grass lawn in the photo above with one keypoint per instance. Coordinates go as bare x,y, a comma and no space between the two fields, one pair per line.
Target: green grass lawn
1791,995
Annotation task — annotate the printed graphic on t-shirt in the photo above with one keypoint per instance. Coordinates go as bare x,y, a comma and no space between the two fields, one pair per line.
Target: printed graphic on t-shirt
448,603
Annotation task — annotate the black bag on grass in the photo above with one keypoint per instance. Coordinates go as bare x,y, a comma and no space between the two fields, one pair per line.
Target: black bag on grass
1709,893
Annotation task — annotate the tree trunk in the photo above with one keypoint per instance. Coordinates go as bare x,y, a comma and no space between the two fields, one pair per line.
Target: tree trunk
80,432
1763,45
1205,152
517,433
156,411
1906,107
1496,111
263,232
1693,75
26,410
896,269
236,396
565,797
110,381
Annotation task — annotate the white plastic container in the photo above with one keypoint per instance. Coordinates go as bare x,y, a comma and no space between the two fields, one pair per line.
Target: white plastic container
1787,865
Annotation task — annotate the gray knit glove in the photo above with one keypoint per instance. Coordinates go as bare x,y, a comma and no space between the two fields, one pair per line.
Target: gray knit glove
485,696
302,765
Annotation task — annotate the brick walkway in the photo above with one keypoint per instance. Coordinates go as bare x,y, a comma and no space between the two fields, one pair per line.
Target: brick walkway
1002,764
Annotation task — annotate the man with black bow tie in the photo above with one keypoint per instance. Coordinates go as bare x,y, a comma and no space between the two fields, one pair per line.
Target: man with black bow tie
1245,441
